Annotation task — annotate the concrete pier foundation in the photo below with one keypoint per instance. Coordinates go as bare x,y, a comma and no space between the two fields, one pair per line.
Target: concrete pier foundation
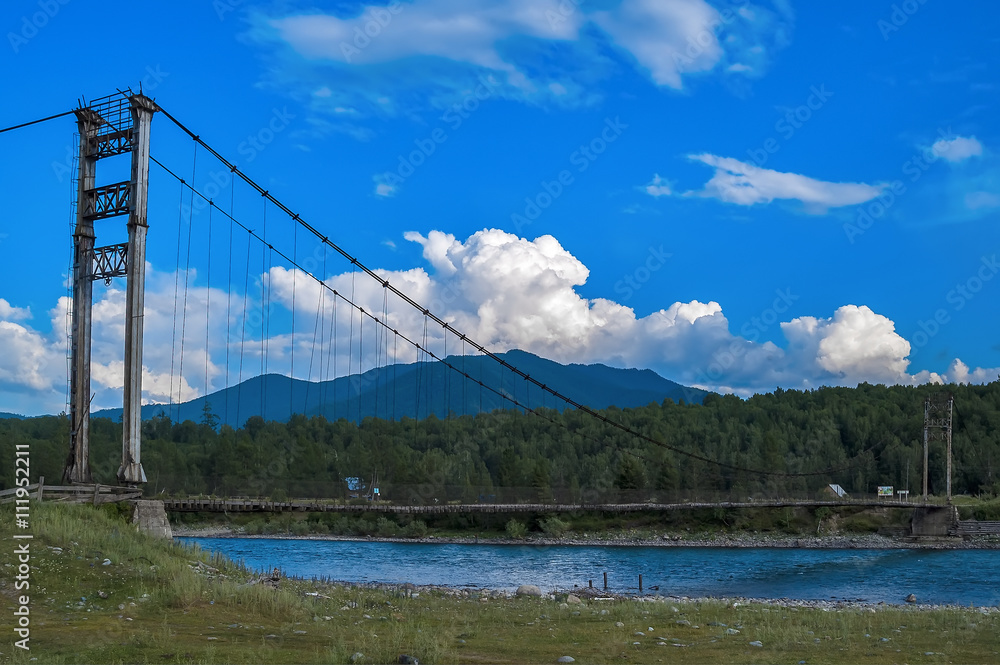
933,521
150,517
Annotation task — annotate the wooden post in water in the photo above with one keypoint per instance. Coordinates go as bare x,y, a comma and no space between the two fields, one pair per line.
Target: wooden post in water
591,583
640,582
605,581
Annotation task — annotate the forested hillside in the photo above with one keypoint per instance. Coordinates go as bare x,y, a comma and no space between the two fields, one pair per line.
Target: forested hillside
872,434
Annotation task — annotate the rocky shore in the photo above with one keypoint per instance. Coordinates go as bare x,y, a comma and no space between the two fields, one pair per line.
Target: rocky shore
594,598
725,540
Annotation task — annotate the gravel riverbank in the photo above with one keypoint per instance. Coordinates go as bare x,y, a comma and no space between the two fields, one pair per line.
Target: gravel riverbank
747,540
595,598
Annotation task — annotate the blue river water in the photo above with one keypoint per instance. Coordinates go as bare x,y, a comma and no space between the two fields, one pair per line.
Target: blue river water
954,577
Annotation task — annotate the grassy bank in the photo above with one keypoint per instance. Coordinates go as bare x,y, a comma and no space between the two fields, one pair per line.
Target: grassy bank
157,602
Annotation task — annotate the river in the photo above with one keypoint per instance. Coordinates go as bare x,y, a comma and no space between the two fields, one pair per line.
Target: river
953,577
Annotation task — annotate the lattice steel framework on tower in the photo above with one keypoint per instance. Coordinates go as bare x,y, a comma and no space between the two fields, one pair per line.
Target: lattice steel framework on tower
937,427
109,126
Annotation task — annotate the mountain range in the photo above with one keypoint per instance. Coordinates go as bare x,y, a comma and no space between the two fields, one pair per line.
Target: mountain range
418,390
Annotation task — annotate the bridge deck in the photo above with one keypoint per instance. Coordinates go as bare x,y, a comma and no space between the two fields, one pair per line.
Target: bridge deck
263,506
975,528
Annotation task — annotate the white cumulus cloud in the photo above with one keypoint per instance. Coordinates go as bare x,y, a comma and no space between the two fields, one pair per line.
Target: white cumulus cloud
502,290
855,343
29,360
10,313
509,292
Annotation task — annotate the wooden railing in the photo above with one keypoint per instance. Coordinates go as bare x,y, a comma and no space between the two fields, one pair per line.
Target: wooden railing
95,494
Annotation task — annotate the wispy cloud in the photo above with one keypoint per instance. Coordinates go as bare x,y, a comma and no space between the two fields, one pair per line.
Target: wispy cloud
469,32
382,188
745,184
982,200
544,51
657,187
958,149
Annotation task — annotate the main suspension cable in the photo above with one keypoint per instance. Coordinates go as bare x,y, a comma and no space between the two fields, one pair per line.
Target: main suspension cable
35,122
448,328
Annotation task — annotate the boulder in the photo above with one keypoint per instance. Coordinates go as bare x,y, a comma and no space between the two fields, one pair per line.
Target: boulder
528,590
911,598
573,600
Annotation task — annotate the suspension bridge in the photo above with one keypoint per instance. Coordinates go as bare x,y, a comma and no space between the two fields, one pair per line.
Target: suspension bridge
361,319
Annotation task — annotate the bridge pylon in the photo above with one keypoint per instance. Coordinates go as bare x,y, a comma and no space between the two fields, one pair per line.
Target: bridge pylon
937,426
110,126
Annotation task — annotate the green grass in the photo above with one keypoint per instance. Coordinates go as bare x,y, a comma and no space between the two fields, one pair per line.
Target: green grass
985,510
166,602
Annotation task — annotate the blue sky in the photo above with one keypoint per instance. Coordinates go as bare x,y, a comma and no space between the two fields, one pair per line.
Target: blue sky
739,195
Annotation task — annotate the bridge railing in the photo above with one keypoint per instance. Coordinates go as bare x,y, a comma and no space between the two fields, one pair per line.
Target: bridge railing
438,494
95,494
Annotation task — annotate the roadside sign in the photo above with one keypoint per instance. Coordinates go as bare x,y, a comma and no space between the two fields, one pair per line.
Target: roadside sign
885,490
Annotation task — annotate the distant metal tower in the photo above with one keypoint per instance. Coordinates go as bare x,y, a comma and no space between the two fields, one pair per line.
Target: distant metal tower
109,126
937,426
